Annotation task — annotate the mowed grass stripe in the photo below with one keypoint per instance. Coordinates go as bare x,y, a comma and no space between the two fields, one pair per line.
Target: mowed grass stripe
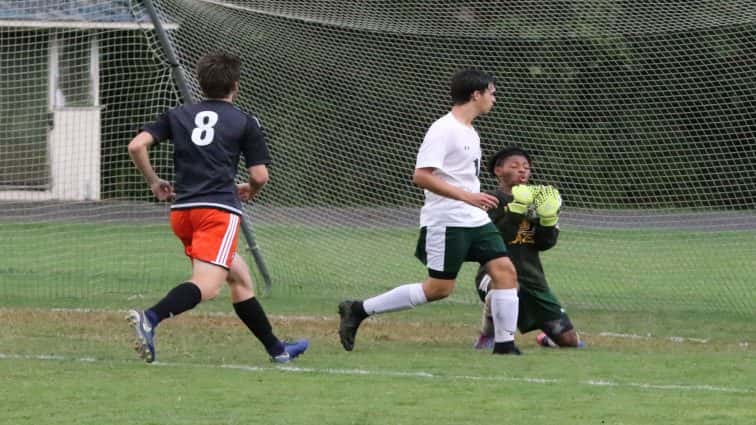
391,374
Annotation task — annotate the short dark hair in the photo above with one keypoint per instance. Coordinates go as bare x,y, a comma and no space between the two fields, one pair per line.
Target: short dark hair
466,82
217,74
505,153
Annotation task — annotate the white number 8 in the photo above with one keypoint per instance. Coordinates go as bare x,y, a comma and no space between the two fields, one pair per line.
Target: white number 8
203,134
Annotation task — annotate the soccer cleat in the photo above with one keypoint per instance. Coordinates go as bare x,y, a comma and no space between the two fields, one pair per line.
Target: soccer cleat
292,350
348,324
484,342
145,334
544,341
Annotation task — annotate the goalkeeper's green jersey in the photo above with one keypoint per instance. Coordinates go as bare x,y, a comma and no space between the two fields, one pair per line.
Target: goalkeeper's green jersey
525,239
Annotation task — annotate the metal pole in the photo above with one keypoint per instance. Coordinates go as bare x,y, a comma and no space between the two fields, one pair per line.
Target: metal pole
165,44
186,96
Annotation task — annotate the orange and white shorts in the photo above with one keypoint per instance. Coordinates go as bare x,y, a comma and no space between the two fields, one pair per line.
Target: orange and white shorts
208,234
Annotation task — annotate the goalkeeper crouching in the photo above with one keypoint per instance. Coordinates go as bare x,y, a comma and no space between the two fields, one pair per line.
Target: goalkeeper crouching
527,218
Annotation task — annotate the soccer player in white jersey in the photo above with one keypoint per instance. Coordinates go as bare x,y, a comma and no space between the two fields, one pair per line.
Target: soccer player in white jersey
454,224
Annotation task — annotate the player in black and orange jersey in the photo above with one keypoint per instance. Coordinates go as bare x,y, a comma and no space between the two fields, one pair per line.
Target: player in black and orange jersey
208,138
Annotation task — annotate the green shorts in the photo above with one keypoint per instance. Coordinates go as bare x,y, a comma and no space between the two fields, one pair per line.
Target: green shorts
444,249
537,307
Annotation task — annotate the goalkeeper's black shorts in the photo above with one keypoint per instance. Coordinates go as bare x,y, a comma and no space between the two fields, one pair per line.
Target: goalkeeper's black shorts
536,307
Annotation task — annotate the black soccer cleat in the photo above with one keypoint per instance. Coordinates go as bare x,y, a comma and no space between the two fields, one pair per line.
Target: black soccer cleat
506,348
349,323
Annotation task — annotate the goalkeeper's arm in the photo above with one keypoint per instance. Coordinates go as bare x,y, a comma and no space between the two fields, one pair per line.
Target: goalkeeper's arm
545,237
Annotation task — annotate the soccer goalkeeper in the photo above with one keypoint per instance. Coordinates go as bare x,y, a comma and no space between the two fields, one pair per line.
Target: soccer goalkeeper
527,218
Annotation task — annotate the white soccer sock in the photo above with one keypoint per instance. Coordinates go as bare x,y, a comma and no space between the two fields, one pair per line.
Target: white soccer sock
400,298
504,309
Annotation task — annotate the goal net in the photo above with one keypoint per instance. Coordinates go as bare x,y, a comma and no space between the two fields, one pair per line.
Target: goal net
643,115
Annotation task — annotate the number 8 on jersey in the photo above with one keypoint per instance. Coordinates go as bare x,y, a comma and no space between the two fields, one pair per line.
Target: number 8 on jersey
203,133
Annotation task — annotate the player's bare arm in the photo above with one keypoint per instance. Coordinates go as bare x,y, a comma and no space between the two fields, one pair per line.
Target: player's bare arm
139,153
258,177
208,138
425,179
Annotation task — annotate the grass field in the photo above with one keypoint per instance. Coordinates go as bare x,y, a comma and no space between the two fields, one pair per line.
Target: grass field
108,265
681,351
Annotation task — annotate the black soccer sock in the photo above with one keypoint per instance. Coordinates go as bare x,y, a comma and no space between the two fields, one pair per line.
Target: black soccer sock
251,313
178,300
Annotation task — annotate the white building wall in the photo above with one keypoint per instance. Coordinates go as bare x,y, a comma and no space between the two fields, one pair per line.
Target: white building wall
74,152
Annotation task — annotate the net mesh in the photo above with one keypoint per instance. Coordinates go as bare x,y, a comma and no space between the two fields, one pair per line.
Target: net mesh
641,114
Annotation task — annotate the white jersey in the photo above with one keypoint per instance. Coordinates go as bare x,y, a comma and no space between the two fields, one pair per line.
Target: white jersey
453,149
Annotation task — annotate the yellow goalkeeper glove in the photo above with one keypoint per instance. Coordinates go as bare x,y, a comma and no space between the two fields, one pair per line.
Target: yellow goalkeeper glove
523,198
547,204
